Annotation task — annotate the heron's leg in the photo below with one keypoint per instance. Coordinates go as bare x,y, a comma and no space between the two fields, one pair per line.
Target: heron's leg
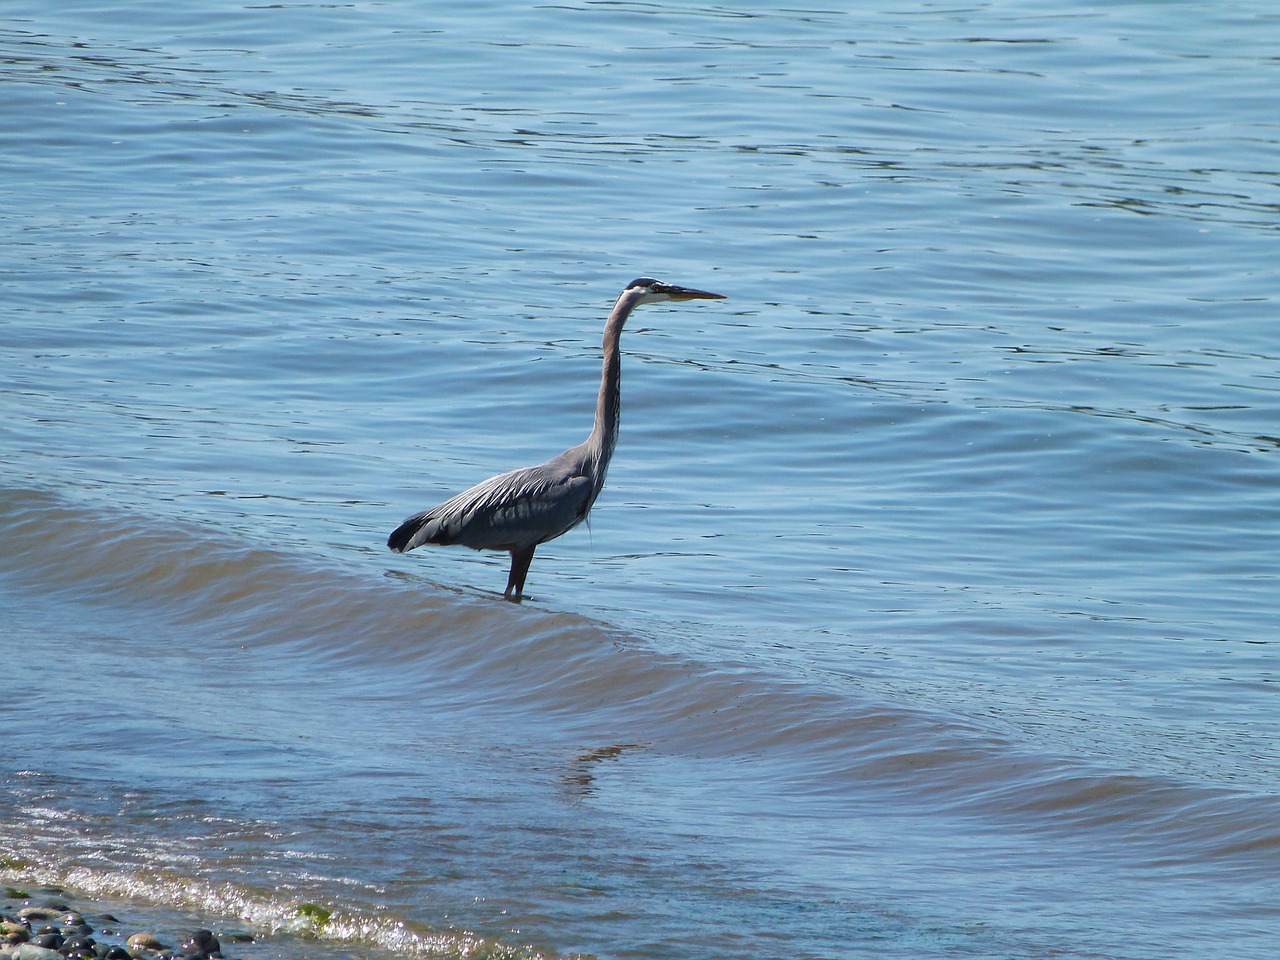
520,560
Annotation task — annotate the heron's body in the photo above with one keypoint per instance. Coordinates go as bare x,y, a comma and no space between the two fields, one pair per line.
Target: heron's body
518,510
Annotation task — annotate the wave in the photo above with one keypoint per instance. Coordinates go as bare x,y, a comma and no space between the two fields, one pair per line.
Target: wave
831,745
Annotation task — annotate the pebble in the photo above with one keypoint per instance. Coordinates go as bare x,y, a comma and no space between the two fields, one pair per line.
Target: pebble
38,913
29,951
145,941
202,943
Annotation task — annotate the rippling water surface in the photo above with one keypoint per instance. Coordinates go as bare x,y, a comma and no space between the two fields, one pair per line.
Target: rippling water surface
930,609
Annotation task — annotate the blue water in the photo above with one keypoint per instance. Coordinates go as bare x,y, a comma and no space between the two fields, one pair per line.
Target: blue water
930,607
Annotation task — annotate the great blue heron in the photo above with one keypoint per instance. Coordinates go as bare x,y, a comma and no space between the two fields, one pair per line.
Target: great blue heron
516,511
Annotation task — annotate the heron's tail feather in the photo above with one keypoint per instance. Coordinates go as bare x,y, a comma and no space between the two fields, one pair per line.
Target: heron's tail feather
414,532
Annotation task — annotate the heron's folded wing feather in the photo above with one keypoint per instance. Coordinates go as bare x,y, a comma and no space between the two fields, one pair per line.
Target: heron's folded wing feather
512,510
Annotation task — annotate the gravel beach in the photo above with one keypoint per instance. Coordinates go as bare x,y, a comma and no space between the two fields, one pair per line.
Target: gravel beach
52,923
48,923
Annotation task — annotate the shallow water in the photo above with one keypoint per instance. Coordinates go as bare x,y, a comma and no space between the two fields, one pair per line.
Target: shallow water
929,610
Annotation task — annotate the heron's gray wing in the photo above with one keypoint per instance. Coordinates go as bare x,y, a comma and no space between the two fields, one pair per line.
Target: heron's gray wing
512,510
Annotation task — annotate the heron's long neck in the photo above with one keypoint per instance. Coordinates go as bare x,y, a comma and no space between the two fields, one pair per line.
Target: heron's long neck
604,436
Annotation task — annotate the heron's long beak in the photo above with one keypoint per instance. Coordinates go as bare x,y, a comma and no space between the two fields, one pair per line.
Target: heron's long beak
688,293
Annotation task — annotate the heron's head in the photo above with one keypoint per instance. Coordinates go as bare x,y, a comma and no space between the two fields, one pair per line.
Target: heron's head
655,291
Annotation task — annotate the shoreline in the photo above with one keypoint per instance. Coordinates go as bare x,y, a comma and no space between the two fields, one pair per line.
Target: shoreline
47,922
43,922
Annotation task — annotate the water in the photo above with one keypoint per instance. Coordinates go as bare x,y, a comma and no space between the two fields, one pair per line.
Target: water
929,610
